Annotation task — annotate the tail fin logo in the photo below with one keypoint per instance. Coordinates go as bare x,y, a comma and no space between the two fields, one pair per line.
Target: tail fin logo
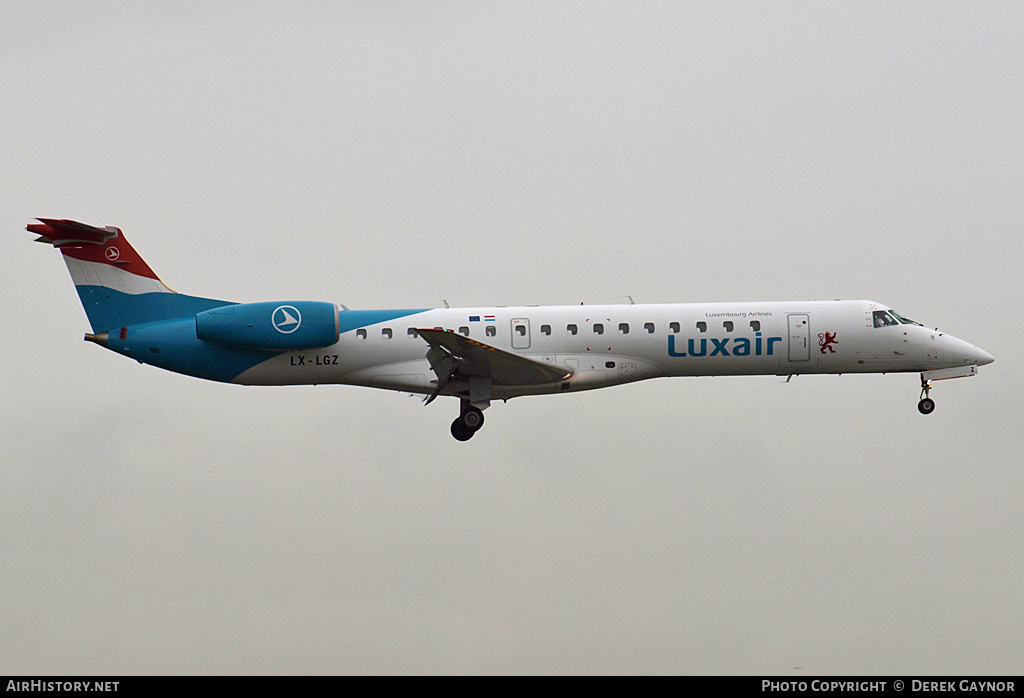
284,321
112,253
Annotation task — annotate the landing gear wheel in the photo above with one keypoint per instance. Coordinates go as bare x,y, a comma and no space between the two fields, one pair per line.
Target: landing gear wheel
472,419
460,431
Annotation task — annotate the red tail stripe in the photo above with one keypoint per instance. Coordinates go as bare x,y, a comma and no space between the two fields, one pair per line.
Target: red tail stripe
89,244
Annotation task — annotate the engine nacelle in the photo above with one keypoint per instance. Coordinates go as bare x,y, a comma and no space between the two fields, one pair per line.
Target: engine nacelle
271,326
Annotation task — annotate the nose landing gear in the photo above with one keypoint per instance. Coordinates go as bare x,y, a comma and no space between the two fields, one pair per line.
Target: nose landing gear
926,405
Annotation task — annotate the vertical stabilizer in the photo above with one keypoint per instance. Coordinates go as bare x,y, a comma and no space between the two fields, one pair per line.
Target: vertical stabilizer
116,286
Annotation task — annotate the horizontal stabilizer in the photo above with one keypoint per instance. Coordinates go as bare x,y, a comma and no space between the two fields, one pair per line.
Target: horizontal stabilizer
57,232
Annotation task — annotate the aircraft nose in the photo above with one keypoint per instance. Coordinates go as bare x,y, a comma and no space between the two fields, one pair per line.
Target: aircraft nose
983,357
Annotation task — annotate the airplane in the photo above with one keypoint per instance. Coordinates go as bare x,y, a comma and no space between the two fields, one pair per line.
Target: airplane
482,354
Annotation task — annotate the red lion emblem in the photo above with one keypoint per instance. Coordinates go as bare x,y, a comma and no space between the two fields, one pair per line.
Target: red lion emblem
826,340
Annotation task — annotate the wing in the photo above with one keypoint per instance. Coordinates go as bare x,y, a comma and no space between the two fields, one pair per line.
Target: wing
453,355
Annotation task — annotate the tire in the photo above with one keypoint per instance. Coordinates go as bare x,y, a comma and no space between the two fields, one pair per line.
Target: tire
926,406
461,432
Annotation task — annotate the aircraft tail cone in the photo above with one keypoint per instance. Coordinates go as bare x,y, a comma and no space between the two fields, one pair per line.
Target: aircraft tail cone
100,338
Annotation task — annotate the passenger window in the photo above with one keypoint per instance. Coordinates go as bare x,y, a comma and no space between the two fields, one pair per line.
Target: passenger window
624,327
673,327
649,326
386,333
412,333
491,330
361,334
571,329
755,325
464,330
545,329
521,330
727,325
598,328
702,326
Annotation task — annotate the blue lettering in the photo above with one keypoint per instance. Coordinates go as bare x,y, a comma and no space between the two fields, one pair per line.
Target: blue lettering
741,346
672,347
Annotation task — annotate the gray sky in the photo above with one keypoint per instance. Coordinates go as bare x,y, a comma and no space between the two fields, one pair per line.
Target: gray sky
391,155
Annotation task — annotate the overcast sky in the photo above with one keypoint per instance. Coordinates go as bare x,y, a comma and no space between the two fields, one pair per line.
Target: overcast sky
397,154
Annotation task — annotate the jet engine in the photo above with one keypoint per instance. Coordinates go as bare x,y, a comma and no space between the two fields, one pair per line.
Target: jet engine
271,326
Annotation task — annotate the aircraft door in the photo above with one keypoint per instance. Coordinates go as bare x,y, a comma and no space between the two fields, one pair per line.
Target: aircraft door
520,333
799,337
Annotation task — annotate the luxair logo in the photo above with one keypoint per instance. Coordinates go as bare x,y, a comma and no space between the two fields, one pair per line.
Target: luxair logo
730,346
286,319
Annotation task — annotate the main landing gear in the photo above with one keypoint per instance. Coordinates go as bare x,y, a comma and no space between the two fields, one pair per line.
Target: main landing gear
468,422
927,405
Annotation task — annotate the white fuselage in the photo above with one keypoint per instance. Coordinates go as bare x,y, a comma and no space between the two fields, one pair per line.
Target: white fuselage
605,345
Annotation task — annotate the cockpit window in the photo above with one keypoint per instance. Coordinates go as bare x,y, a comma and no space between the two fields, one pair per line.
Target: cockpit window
883,318
904,320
